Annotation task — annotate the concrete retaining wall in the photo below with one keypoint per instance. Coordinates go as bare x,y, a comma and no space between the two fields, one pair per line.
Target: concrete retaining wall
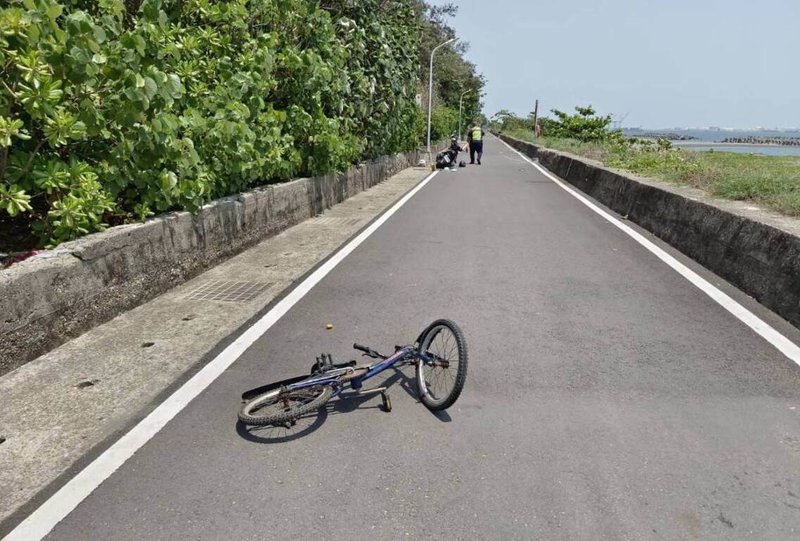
55,296
757,251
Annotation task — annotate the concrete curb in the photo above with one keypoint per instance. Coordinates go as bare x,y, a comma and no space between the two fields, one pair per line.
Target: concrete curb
57,295
757,251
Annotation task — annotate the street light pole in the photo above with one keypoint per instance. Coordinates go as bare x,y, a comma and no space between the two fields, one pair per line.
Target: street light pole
459,112
430,91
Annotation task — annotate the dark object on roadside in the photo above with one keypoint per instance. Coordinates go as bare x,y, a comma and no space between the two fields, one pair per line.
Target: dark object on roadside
462,163
447,158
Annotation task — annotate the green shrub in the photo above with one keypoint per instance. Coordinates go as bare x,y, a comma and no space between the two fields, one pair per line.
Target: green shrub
584,125
444,123
109,115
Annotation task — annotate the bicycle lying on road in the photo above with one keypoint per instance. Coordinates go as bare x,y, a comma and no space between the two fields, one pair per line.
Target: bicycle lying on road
439,354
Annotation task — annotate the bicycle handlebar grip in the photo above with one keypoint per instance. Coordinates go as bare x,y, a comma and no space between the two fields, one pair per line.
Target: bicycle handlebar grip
359,347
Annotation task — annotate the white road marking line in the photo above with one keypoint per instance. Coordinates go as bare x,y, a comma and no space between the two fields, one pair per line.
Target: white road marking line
59,505
780,342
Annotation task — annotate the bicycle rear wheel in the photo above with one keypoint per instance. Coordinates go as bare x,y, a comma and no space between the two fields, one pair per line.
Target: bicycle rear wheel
440,382
281,406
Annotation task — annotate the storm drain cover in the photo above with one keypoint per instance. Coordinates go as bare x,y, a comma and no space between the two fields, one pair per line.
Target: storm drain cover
228,291
330,220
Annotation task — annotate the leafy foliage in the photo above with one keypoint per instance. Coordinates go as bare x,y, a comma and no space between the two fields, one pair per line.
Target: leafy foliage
381,39
506,121
444,123
584,125
114,110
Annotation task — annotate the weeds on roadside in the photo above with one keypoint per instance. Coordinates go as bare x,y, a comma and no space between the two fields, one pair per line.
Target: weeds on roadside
770,181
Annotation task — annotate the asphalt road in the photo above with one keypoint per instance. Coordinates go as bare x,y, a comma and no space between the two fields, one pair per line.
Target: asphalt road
607,397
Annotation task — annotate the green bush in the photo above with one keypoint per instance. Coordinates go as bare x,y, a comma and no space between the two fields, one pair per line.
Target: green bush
444,123
112,111
584,125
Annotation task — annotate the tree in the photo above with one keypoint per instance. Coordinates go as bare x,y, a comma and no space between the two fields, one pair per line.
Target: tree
584,125
505,121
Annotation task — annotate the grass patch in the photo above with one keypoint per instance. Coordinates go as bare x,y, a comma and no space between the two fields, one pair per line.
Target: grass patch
769,181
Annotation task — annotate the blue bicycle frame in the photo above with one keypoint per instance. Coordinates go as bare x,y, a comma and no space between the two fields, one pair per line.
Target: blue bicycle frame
333,377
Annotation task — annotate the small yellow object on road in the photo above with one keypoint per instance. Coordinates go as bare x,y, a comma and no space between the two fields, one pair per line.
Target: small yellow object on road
329,326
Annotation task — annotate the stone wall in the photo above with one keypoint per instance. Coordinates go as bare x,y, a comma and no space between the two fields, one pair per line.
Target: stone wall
59,294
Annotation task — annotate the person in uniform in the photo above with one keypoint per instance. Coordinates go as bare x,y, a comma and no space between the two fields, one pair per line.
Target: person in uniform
475,141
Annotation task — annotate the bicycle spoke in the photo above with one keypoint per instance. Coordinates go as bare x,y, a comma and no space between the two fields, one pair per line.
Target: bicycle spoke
440,376
446,349
290,400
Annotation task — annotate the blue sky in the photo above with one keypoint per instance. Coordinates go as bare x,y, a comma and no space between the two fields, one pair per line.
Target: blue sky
663,63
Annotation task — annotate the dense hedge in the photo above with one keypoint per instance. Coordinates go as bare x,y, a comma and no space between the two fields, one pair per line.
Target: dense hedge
113,110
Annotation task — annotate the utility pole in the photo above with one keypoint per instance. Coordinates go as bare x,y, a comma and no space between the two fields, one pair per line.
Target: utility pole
535,117
459,111
618,123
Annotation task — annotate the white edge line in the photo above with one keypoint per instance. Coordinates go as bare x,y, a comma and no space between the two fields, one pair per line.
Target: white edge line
783,344
59,505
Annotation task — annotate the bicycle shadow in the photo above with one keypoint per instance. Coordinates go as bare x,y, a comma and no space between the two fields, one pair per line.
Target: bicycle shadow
409,385
347,402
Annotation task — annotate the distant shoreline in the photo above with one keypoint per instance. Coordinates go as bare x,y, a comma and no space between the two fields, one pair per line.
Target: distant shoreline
670,136
760,137
699,143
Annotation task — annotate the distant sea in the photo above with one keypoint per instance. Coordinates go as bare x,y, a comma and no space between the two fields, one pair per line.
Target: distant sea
711,139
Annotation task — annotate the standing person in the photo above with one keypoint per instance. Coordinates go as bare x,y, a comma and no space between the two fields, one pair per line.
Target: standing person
475,140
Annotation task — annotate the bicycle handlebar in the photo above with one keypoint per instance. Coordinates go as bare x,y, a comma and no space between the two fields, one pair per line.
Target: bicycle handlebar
368,351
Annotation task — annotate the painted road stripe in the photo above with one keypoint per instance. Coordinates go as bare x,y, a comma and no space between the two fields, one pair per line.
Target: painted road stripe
59,505
783,344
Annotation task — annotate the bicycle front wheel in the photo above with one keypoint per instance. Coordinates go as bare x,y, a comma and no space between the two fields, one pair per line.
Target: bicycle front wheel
281,406
441,381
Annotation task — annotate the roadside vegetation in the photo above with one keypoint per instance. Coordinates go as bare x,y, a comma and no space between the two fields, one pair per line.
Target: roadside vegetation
771,182
112,111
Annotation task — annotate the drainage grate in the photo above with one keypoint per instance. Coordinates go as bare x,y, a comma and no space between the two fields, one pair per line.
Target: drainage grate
228,291
330,220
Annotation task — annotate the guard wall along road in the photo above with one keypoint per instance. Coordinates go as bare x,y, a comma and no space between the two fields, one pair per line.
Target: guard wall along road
60,294
756,251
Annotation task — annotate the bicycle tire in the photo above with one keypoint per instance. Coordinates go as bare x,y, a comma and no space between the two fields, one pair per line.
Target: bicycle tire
306,403
429,396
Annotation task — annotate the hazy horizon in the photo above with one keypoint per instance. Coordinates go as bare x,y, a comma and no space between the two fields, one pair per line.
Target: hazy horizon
653,65
717,128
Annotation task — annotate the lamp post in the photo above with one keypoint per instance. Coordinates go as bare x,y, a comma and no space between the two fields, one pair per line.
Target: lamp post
459,112
430,91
